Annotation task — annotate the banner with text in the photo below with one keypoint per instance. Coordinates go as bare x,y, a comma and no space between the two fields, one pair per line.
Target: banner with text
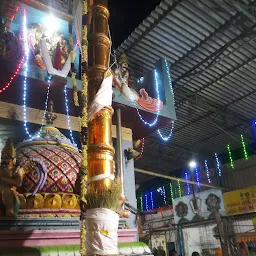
240,201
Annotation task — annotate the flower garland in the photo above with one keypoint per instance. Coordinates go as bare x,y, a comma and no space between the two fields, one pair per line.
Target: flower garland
83,122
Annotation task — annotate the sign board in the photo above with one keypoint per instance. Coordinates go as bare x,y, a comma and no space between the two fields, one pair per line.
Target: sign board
240,201
187,210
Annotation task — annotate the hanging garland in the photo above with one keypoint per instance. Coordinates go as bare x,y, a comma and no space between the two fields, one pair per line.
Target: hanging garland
83,122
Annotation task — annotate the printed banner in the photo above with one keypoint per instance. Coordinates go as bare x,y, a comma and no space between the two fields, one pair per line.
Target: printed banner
240,201
187,210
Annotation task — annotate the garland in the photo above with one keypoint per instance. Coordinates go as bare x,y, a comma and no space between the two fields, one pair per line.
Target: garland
83,121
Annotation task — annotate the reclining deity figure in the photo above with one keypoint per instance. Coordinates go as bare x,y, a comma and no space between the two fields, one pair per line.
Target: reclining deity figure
120,81
11,176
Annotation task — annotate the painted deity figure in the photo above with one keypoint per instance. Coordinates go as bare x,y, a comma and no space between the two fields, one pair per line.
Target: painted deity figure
121,77
11,176
142,99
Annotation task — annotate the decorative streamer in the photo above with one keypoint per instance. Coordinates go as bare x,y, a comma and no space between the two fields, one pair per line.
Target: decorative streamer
230,157
188,186
171,193
244,147
152,200
179,189
207,171
218,164
68,117
197,177
146,202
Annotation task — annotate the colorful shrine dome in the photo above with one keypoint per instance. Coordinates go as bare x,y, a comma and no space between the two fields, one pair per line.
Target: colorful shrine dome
51,168
51,162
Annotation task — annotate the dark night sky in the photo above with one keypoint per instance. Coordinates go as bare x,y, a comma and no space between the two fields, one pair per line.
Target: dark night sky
126,15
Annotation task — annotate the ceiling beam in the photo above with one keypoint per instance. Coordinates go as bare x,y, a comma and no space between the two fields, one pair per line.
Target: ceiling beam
156,174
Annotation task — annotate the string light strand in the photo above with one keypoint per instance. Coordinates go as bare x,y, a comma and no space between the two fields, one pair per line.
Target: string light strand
230,157
68,117
146,202
197,177
8,84
142,149
170,134
207,171
179,189
171,193
152,200
217,164
26,48
244,147
188,186
170,84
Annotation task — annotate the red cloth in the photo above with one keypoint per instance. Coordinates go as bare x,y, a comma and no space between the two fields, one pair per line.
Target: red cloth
57,58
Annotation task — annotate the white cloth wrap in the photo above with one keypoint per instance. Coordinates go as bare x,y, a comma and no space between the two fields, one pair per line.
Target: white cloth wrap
77,18
101,232
103,97
48,62
100,177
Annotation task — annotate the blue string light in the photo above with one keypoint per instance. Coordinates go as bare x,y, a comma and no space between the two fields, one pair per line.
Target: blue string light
217,164
207,171
152,200
188,186
170,84
158,104
146,202
170,134
197,177
68,117
164,195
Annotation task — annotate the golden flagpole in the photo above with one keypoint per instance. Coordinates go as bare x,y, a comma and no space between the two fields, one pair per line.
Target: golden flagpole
100,149
99,192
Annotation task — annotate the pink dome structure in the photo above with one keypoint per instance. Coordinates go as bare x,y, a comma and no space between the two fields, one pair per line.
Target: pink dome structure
51,163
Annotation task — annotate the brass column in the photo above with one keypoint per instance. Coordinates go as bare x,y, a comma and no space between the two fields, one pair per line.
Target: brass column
100,149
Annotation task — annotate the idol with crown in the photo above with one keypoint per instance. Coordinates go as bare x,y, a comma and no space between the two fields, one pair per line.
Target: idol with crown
11,176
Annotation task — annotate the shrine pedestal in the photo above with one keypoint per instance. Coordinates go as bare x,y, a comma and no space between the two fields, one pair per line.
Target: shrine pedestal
56,236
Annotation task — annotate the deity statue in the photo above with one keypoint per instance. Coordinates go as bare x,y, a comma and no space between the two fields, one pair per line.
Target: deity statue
142,99
11,176
121,74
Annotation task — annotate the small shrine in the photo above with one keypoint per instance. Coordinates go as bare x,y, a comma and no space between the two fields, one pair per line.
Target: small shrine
51,170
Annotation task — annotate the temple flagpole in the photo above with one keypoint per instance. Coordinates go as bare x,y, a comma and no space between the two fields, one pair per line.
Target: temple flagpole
100,193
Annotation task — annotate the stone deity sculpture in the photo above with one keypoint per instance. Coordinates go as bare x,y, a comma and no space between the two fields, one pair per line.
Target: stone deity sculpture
10,178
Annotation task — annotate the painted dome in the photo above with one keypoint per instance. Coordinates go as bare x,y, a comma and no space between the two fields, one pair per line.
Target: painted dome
50,161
